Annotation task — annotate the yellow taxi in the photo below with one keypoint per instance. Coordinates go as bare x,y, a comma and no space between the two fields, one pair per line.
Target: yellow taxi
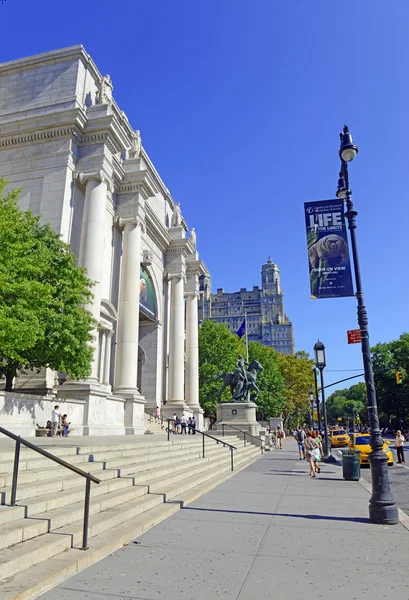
339,438
362,442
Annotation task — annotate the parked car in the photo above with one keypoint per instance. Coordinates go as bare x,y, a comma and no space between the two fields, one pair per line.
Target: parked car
339,438
362,442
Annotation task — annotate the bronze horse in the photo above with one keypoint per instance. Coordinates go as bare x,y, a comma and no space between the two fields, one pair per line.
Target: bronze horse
229,379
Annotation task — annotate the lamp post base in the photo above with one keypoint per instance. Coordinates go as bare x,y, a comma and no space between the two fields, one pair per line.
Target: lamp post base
382,506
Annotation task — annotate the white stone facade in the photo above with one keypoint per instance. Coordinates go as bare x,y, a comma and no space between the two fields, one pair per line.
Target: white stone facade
66,143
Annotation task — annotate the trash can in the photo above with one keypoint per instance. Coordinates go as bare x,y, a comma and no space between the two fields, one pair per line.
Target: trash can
351,465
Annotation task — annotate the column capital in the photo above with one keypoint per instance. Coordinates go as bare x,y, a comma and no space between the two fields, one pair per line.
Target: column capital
192,294
136,220
97,175
175,276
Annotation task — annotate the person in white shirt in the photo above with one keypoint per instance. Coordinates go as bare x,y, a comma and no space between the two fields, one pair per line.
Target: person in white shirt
399,446
55,418
183,422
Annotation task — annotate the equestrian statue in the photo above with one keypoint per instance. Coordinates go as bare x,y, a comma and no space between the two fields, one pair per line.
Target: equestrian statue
242,382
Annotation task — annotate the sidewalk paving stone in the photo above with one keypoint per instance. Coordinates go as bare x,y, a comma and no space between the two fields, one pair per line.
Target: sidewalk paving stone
269,528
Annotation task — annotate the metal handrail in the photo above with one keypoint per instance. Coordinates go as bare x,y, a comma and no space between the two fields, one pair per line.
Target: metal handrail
245,434
204,436
19,440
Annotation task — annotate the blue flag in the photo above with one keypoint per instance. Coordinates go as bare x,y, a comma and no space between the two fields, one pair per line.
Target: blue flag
242,329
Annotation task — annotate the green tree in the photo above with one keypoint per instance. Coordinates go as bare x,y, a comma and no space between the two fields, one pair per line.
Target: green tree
347,404
270,381
218,352
42,293
392,398
297,373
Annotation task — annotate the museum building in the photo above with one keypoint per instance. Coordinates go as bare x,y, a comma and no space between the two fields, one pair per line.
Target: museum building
65,142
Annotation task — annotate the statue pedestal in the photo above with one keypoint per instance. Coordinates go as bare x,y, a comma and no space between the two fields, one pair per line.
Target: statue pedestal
237,414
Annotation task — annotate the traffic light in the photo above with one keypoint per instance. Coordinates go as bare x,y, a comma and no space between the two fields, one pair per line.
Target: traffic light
399,377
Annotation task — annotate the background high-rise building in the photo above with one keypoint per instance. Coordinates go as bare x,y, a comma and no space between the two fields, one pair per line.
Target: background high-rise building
267,322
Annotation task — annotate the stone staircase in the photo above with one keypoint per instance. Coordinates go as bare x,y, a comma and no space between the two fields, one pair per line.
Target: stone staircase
141,484
153,424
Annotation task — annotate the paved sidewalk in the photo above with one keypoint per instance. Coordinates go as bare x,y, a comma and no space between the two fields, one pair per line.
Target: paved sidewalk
269,531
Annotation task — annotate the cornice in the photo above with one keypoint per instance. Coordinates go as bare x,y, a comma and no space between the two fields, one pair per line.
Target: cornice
54,56
42,136
139,182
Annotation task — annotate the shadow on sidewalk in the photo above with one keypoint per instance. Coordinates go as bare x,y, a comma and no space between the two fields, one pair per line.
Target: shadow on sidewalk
298,473
268,514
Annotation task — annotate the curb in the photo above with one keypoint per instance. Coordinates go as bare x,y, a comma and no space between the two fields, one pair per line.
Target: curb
403,517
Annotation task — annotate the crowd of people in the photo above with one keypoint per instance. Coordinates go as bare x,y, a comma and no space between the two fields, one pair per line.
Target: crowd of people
183,424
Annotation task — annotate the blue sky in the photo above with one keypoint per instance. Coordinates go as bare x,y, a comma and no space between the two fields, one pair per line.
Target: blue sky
240,105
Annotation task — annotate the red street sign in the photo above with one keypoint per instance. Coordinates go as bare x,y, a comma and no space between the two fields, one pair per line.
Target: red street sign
354,336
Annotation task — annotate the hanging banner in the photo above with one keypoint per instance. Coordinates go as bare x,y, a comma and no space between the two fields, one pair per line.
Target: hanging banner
328,254
146,294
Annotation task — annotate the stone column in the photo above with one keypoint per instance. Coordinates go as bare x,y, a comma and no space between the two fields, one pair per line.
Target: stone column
107,358
126,371
102,355
91,255
176,340
192,352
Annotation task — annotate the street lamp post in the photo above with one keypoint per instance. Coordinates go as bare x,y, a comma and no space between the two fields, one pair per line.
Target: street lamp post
312,407
317,399
319,352
382,505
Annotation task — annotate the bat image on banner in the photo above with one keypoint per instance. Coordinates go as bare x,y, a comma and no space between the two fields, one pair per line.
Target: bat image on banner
328,253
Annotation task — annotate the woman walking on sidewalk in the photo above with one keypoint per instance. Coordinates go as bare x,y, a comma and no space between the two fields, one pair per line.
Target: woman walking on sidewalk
317,453
310,447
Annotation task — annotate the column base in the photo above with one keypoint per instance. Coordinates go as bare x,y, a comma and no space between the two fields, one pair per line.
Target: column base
177,406
134,412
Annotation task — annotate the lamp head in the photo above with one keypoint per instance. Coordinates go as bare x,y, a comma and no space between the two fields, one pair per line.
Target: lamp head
319,352
311,395
347,150
342,187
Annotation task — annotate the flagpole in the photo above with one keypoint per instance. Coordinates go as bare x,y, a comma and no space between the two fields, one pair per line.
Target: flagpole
247,340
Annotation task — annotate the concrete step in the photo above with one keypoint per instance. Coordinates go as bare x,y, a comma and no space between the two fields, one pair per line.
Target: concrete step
59,480
42,576
126,506
41,503
52,512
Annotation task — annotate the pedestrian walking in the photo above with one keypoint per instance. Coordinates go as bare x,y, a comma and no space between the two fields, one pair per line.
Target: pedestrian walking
189,425
55,419
183,423
318,451
300,438
280,436
311,446
399,446
193,425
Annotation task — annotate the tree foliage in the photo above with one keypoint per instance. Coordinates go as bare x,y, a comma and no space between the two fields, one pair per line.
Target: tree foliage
218,352
296,370
270,381
392,398
42,293
346,404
